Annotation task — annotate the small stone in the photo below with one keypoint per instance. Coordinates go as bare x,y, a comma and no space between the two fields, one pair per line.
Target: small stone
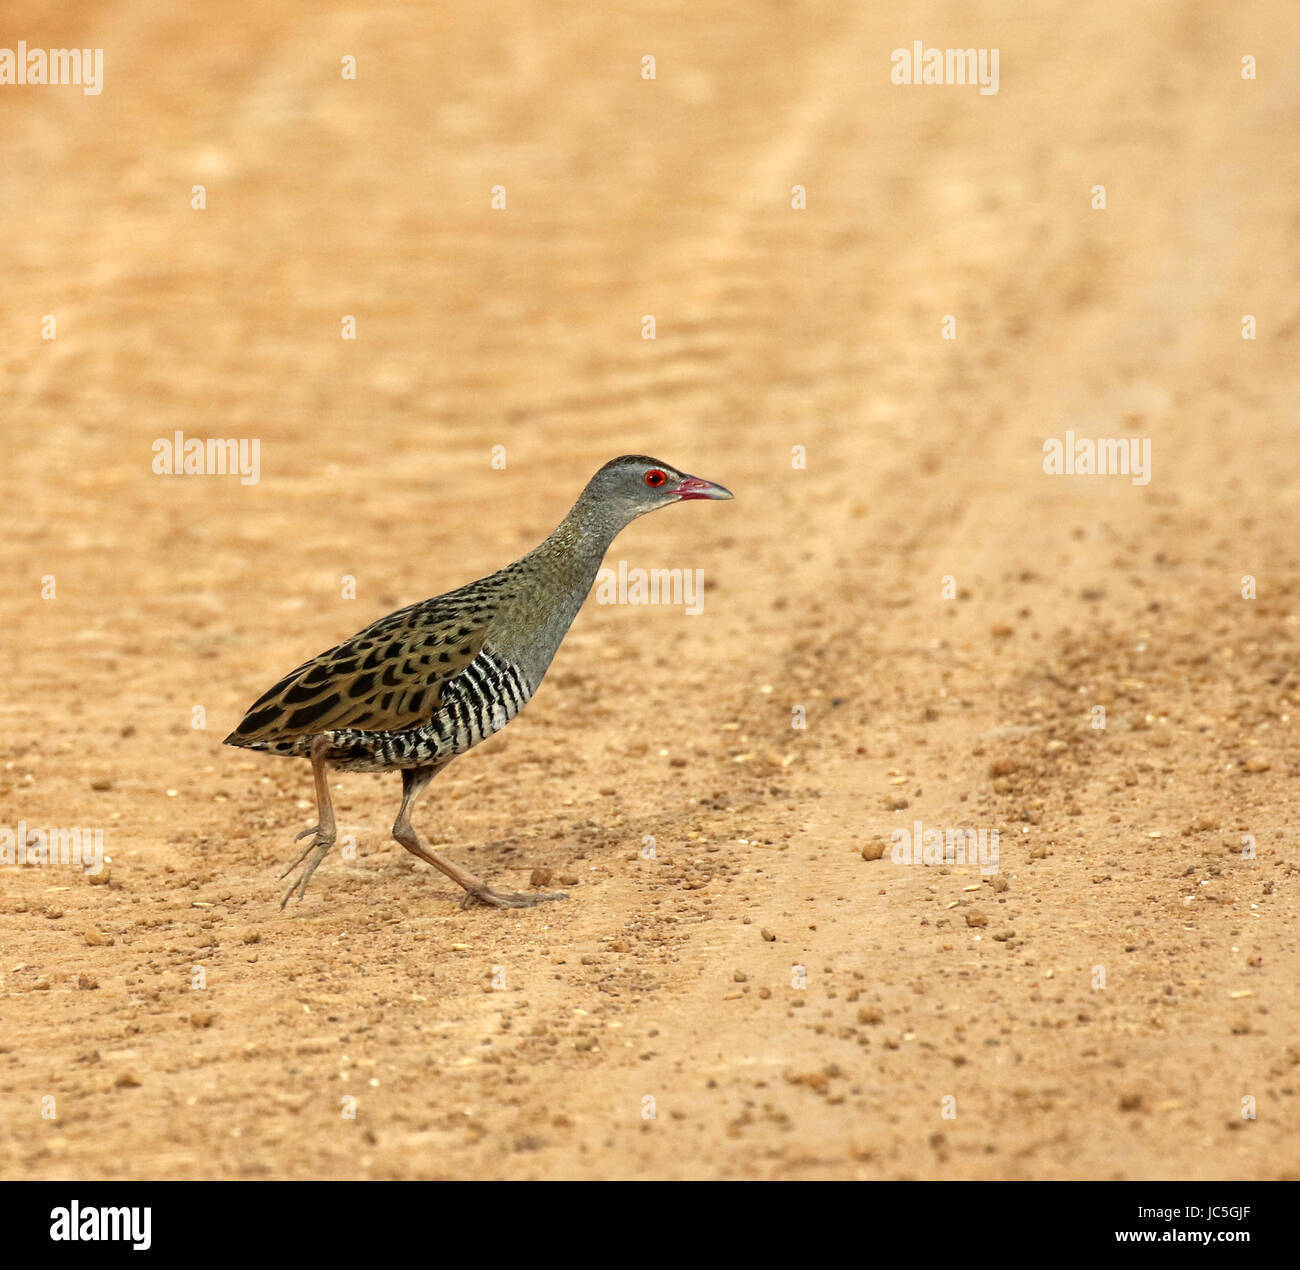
101,783
769,936
540,876
740,977
869,1014
1256,765
896,802
201,1018
873,851
814,1080
97,939
976,918
127,1080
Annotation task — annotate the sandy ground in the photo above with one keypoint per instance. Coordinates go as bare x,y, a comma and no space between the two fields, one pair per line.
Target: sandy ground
759,999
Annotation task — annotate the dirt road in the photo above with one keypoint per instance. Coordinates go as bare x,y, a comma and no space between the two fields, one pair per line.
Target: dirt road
747,995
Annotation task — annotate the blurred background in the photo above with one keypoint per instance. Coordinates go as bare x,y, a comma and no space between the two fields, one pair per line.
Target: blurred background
500,198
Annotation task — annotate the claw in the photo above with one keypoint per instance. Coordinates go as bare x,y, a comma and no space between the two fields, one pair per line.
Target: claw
321,844
510,899
300,859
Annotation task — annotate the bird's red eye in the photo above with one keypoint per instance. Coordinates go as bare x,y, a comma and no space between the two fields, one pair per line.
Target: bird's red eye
655,477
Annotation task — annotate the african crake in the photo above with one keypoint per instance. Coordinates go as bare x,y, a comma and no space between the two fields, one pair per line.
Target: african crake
422,685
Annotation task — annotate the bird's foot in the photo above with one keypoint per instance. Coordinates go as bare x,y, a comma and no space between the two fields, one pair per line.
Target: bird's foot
316,839
509,899
321,842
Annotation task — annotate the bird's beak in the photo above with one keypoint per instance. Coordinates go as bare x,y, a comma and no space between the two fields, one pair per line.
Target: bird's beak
696,487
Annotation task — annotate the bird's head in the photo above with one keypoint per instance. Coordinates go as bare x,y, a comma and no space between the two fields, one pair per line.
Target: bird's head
633,484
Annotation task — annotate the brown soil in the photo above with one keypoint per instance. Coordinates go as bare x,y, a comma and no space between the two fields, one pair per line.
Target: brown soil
490,1044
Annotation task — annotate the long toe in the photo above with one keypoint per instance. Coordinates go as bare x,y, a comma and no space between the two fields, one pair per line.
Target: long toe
510,899
306,851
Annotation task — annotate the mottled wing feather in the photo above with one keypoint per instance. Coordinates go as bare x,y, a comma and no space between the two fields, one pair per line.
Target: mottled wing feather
386,678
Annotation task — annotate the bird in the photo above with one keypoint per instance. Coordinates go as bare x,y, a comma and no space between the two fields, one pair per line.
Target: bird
420,687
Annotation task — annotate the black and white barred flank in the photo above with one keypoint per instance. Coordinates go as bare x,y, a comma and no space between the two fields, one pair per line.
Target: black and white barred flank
478,702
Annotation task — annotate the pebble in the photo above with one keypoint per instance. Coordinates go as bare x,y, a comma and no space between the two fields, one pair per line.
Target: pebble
814,1080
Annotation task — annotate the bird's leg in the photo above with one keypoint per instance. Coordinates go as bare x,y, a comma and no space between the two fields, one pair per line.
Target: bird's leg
323,831
414,781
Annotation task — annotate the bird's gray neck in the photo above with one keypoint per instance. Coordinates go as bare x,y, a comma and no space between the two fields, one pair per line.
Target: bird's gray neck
557,577
586,532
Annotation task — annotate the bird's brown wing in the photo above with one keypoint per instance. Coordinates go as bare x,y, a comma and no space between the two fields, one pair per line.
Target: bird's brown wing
386,678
